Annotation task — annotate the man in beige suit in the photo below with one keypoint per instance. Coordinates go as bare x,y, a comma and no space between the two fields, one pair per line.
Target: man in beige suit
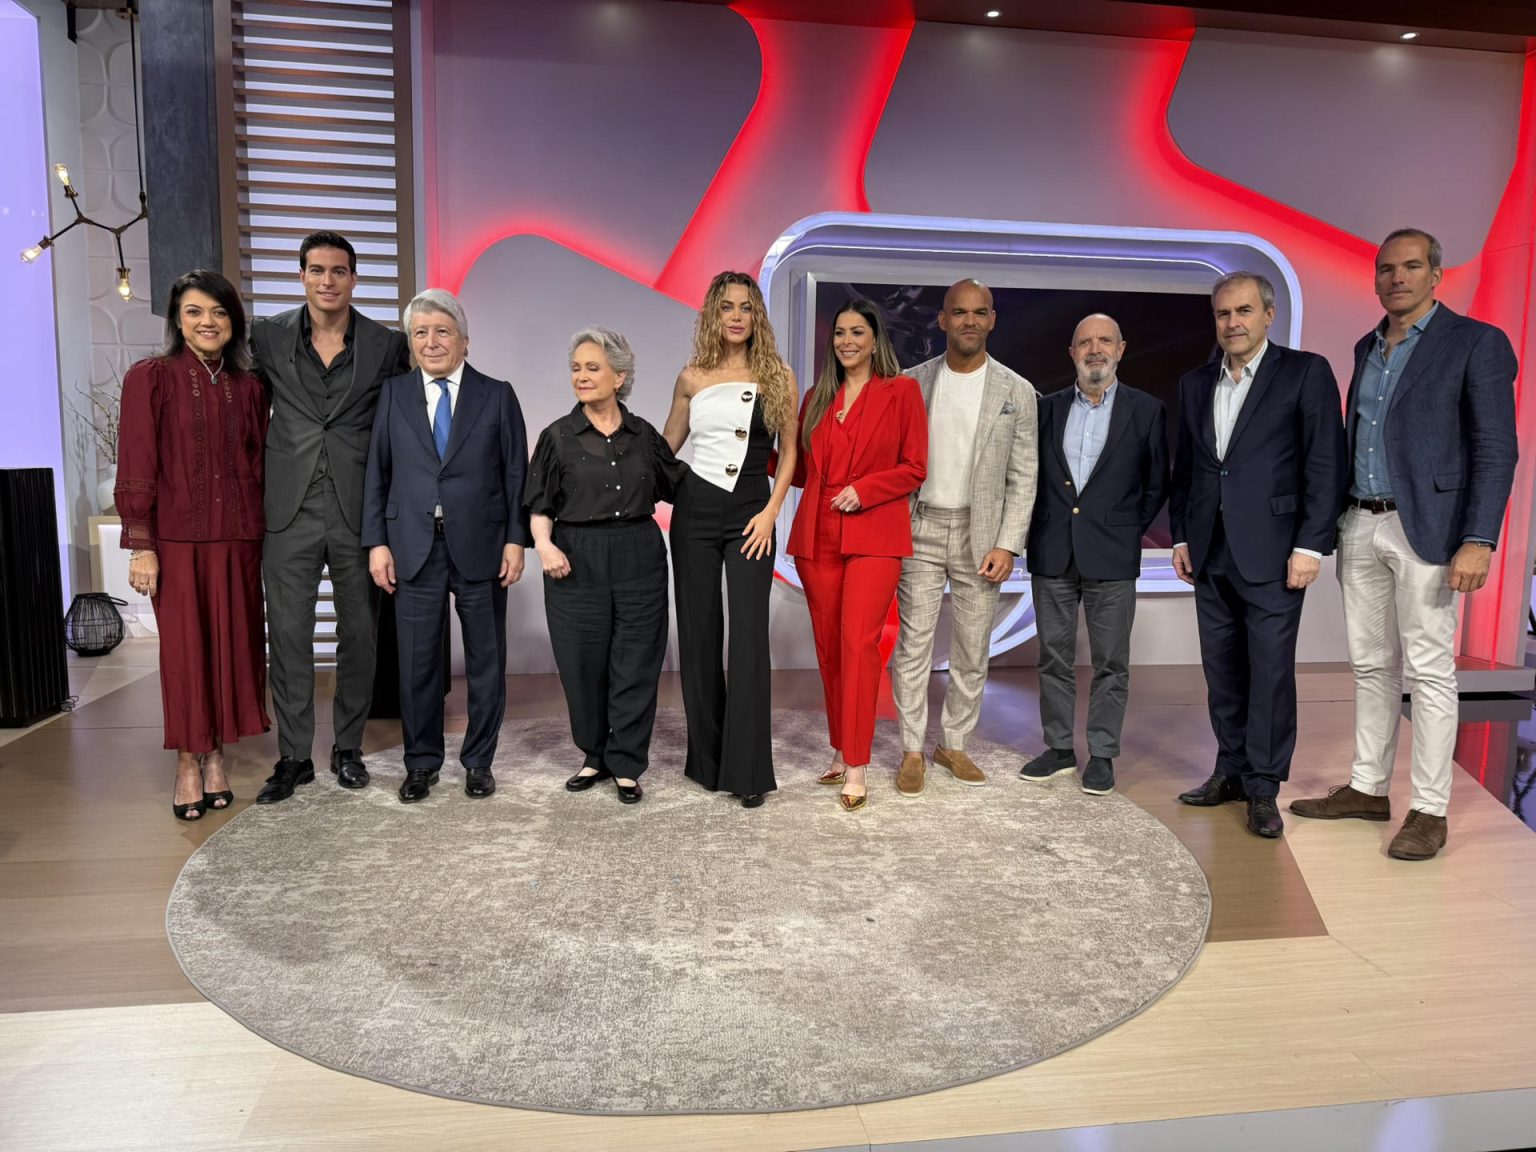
969,521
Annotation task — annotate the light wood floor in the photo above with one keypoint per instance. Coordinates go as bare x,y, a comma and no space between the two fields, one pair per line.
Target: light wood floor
1332,975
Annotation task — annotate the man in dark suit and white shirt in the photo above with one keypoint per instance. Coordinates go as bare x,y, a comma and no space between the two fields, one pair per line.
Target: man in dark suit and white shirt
442,512
1103,479
322,365
1258,484
1432,448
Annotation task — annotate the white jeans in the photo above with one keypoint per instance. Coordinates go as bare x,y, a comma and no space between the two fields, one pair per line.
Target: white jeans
1399,618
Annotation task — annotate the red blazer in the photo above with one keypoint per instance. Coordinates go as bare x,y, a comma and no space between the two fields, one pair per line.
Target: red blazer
890,460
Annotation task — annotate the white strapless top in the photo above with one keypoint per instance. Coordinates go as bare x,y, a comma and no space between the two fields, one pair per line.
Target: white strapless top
720,425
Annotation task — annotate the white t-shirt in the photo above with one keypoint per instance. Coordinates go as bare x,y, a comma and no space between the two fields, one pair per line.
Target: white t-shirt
953,414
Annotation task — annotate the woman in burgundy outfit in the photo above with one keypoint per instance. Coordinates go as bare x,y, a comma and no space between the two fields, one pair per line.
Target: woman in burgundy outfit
192,434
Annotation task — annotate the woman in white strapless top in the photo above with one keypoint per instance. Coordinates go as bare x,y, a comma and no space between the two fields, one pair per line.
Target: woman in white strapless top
735,398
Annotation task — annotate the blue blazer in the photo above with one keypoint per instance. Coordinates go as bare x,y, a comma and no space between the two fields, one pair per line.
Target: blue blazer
1285,476
1450,433
1101,525
479,482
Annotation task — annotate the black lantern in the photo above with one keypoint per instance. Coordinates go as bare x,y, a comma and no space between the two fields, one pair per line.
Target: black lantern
92,626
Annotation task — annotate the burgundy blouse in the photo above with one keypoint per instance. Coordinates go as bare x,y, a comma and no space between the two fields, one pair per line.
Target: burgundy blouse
189,453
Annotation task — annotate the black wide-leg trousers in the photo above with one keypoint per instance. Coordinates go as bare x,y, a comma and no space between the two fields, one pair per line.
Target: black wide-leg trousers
608,627
730,739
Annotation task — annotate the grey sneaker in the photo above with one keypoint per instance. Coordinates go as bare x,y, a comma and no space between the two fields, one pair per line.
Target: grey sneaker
1099,776
1051,762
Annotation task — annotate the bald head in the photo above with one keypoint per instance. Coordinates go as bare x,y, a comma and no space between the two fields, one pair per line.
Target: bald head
1096,349
966,321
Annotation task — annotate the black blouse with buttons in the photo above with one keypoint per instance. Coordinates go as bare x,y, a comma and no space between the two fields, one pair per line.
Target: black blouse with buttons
580,476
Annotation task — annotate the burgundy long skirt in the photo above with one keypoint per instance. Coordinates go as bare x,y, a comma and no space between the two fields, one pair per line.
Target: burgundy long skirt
213,666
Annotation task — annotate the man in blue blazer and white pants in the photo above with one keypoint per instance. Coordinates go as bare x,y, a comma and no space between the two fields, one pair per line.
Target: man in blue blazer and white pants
1431,422
442,512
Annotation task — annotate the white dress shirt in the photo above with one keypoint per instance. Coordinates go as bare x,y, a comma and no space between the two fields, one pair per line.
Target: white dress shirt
434,390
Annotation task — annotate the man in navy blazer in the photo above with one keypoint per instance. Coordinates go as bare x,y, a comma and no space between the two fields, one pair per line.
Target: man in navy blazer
1258,484
1103,479
442,512
1431,416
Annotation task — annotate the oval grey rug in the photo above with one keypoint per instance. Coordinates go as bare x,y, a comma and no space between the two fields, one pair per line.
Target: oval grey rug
563,951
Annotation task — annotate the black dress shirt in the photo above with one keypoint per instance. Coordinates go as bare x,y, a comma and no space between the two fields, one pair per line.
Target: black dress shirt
328,381
580,476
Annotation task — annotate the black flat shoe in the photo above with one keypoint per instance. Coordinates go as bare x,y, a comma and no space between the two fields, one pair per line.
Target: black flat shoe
630,793
478,783
218,801
286,776
1264,818
348,767
417,786
753,801
1218,789
580,783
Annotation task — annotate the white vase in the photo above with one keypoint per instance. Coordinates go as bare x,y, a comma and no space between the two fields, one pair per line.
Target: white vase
106,481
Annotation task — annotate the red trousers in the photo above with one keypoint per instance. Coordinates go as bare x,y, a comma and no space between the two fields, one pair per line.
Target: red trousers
849,598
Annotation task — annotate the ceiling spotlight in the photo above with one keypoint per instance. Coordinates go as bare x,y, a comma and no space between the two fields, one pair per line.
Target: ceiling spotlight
993,14
1409,36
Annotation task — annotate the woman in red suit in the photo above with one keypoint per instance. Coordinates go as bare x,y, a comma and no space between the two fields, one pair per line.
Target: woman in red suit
864,451
192,434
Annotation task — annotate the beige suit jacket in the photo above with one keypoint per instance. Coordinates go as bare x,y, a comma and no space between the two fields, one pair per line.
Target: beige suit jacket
1005,460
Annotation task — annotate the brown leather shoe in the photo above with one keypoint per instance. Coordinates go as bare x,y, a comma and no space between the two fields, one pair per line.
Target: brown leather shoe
1420,837
1343,803
960,766
910,776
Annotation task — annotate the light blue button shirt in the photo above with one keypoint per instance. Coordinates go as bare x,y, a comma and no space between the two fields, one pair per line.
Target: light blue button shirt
1087,430
1372,477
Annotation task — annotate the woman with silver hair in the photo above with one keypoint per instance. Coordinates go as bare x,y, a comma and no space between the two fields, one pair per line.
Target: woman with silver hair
593,485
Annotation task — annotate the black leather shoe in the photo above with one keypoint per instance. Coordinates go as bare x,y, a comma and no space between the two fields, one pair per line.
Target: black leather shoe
753,801
630,793
478,783
1219,789
1264,818
580,783
286,776
348,767
417,786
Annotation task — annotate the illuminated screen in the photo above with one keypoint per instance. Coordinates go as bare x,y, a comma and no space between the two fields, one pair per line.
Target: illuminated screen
1166,334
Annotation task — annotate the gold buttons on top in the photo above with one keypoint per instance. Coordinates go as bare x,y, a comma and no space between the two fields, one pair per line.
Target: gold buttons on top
746,397
731,469
741,433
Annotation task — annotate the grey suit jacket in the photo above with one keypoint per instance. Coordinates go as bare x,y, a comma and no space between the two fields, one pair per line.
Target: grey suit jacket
300,425
1005,461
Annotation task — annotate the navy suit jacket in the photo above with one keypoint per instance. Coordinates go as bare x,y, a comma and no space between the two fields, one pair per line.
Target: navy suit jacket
1285,476
1101,525
1450,433
479,482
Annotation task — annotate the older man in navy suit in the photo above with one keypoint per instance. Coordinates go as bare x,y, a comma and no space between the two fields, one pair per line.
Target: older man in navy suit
442,512
1103,479
1258,485
1431,417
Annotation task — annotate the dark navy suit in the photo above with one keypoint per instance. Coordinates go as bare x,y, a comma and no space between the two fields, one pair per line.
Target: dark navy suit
1281,486
479,485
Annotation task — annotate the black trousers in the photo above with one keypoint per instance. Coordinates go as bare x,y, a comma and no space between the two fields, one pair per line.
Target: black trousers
1248,647
421,613
707,523
608,627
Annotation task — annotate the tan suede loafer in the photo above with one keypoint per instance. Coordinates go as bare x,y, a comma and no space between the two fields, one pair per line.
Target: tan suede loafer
960,766
910,776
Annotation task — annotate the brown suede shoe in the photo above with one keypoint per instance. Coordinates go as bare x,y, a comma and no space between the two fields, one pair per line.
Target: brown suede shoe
909,777
1342,803
1420,837
960,766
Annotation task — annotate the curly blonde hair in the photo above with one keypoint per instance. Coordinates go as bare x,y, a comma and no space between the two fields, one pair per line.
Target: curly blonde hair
773,379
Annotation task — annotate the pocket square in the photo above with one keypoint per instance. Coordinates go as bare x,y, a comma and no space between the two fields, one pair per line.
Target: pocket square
1008,408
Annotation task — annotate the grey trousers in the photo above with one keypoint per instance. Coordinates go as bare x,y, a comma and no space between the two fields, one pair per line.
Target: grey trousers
292,560
1110,607
941,552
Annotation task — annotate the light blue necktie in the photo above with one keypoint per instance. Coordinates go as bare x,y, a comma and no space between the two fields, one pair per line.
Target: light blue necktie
443,419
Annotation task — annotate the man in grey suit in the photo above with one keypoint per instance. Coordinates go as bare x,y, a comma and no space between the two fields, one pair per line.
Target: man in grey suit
1431,424
969,522
322,366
